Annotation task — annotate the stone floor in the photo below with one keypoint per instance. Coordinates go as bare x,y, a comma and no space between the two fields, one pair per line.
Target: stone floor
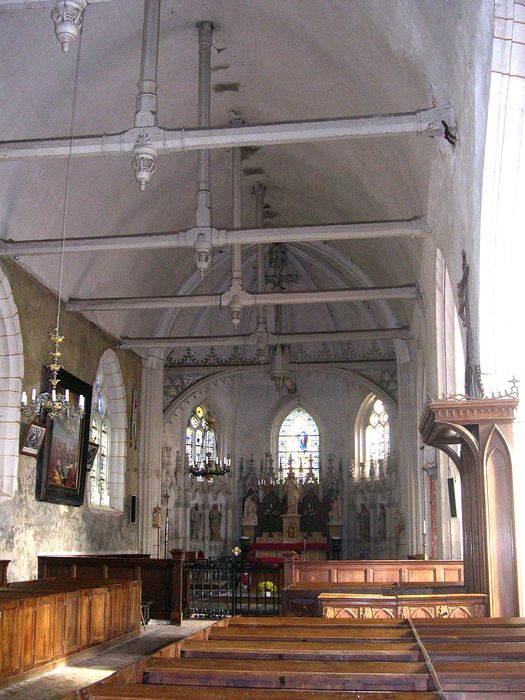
98,664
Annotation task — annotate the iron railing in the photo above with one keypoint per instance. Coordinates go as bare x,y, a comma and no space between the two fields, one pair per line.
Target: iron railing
215,588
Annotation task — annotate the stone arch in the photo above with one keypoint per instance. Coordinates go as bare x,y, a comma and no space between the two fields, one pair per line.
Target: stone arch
11,374
116,395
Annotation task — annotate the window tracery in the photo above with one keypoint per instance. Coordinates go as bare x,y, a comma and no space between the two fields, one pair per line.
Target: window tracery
201,438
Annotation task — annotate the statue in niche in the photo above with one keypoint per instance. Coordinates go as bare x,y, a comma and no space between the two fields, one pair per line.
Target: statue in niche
291,491
363,518
335,514
381,522
249,515
195,522
215,518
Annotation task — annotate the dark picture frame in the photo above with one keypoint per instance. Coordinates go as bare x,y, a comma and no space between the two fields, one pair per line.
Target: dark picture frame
61,466
33,439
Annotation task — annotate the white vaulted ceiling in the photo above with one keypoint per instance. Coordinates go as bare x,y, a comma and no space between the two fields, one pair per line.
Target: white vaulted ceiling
272,61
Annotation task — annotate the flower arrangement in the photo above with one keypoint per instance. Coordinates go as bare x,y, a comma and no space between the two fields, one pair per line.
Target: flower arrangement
266,587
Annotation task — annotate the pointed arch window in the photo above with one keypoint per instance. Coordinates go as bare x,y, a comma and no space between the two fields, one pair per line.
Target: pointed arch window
298,444
101,435
200,436
377,433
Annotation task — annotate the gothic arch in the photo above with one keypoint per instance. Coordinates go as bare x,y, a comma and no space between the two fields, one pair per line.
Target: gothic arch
116,394
11,374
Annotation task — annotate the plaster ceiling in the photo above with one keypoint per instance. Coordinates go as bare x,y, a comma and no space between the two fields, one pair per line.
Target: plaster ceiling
272,60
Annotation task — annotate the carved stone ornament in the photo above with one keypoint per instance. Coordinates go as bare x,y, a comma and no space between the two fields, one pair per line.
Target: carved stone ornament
67,16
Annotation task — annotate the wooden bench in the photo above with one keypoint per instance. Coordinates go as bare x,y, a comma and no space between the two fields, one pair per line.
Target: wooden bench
314,675
158,692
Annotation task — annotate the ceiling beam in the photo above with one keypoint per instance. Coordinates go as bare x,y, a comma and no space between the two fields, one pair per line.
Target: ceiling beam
426,121
413,228
248,339
408,291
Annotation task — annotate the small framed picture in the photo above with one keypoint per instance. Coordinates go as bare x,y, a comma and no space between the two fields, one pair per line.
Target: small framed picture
33,439
91,454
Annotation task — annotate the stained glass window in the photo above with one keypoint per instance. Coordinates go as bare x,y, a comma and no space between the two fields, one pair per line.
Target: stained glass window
377,433
200,436
101,435
299,444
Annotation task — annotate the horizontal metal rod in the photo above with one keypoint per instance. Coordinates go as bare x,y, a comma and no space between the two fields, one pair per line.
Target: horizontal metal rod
408,291
428,121
413,228
401,333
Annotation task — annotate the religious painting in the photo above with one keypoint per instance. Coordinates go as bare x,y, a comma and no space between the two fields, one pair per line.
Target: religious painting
33,439
61,474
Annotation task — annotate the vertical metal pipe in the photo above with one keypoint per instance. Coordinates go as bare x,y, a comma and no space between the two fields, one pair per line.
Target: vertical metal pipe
259,190
237,208
146,107
203,204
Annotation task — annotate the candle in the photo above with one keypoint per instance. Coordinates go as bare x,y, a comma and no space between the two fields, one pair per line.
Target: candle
67,395
81,401
424,527
33,395
53,395
24,398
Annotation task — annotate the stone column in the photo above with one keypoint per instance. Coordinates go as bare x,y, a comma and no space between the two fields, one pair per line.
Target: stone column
150,447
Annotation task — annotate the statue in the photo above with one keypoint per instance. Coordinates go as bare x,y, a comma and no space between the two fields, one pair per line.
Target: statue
249,516
215,518
195,522
335,514
363,518
291,491
398,524
381,522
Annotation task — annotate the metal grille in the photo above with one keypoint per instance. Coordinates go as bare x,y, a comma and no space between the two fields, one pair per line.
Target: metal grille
225,586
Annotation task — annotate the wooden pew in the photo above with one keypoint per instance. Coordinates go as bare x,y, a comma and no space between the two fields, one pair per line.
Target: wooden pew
162,579
302,598
301,651
158,692
293,658
314,675
41,623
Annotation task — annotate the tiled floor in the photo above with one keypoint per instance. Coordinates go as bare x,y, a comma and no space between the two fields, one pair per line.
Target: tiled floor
99,664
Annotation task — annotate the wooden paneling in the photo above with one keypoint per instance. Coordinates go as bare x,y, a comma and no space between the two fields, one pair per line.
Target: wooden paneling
44,621
373,571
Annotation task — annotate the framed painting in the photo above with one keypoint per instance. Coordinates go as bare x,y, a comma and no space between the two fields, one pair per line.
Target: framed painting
61,467
33,439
